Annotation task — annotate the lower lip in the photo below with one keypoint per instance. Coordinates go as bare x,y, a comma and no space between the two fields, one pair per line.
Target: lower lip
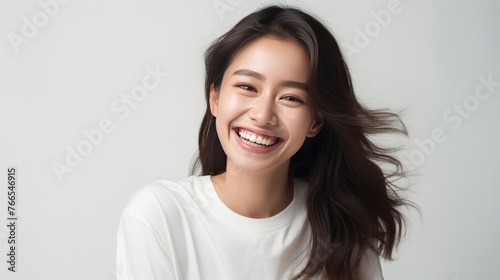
257,150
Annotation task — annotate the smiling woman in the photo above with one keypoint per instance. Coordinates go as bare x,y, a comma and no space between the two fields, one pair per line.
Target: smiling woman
263,95
289,185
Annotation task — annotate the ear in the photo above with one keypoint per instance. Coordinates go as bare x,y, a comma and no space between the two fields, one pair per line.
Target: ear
315,126
214,100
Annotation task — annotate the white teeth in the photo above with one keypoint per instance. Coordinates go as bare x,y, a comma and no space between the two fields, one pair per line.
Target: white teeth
255,141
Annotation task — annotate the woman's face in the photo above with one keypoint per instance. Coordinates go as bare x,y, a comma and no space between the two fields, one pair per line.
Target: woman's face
263,111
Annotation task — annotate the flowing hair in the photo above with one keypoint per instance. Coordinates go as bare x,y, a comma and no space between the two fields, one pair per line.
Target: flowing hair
351,202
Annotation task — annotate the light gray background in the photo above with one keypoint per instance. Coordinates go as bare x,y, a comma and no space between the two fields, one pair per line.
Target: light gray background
65,79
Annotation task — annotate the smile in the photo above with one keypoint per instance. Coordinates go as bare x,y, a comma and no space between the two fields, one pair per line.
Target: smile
256,140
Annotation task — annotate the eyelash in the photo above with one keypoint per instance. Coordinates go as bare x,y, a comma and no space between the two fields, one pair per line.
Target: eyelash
288,98
247,87
292,98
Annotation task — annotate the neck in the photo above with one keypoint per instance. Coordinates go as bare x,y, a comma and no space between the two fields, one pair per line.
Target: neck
253,195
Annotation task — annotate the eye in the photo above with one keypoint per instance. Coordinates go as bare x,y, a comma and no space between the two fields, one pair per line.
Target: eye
247,87
292,98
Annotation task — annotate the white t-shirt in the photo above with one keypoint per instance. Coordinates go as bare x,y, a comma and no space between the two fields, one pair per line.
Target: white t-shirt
182,230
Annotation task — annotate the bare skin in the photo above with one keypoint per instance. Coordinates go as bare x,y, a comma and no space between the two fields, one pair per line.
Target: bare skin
263,92
265,195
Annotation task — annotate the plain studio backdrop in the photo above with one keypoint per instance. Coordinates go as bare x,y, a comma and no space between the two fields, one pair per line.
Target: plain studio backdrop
98,98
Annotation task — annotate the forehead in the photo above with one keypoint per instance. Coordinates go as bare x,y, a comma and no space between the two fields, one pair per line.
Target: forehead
274,58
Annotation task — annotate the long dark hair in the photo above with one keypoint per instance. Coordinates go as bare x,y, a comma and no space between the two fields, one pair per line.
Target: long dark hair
352,203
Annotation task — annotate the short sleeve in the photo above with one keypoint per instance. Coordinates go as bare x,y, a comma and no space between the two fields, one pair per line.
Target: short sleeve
142,253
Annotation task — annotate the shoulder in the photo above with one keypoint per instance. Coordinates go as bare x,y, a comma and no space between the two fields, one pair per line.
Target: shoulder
165,198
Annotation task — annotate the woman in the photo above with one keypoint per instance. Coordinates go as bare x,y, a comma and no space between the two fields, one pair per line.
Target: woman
289,186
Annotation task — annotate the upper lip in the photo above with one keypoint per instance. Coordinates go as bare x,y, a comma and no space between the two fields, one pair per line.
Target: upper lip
257,131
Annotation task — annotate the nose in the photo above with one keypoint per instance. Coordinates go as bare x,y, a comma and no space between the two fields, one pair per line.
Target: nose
263,111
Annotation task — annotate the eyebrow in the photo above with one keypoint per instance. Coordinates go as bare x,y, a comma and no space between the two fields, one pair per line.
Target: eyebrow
259,76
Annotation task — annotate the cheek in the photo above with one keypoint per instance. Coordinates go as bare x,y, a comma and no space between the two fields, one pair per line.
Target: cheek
230,105
298,122
228,110
223,132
